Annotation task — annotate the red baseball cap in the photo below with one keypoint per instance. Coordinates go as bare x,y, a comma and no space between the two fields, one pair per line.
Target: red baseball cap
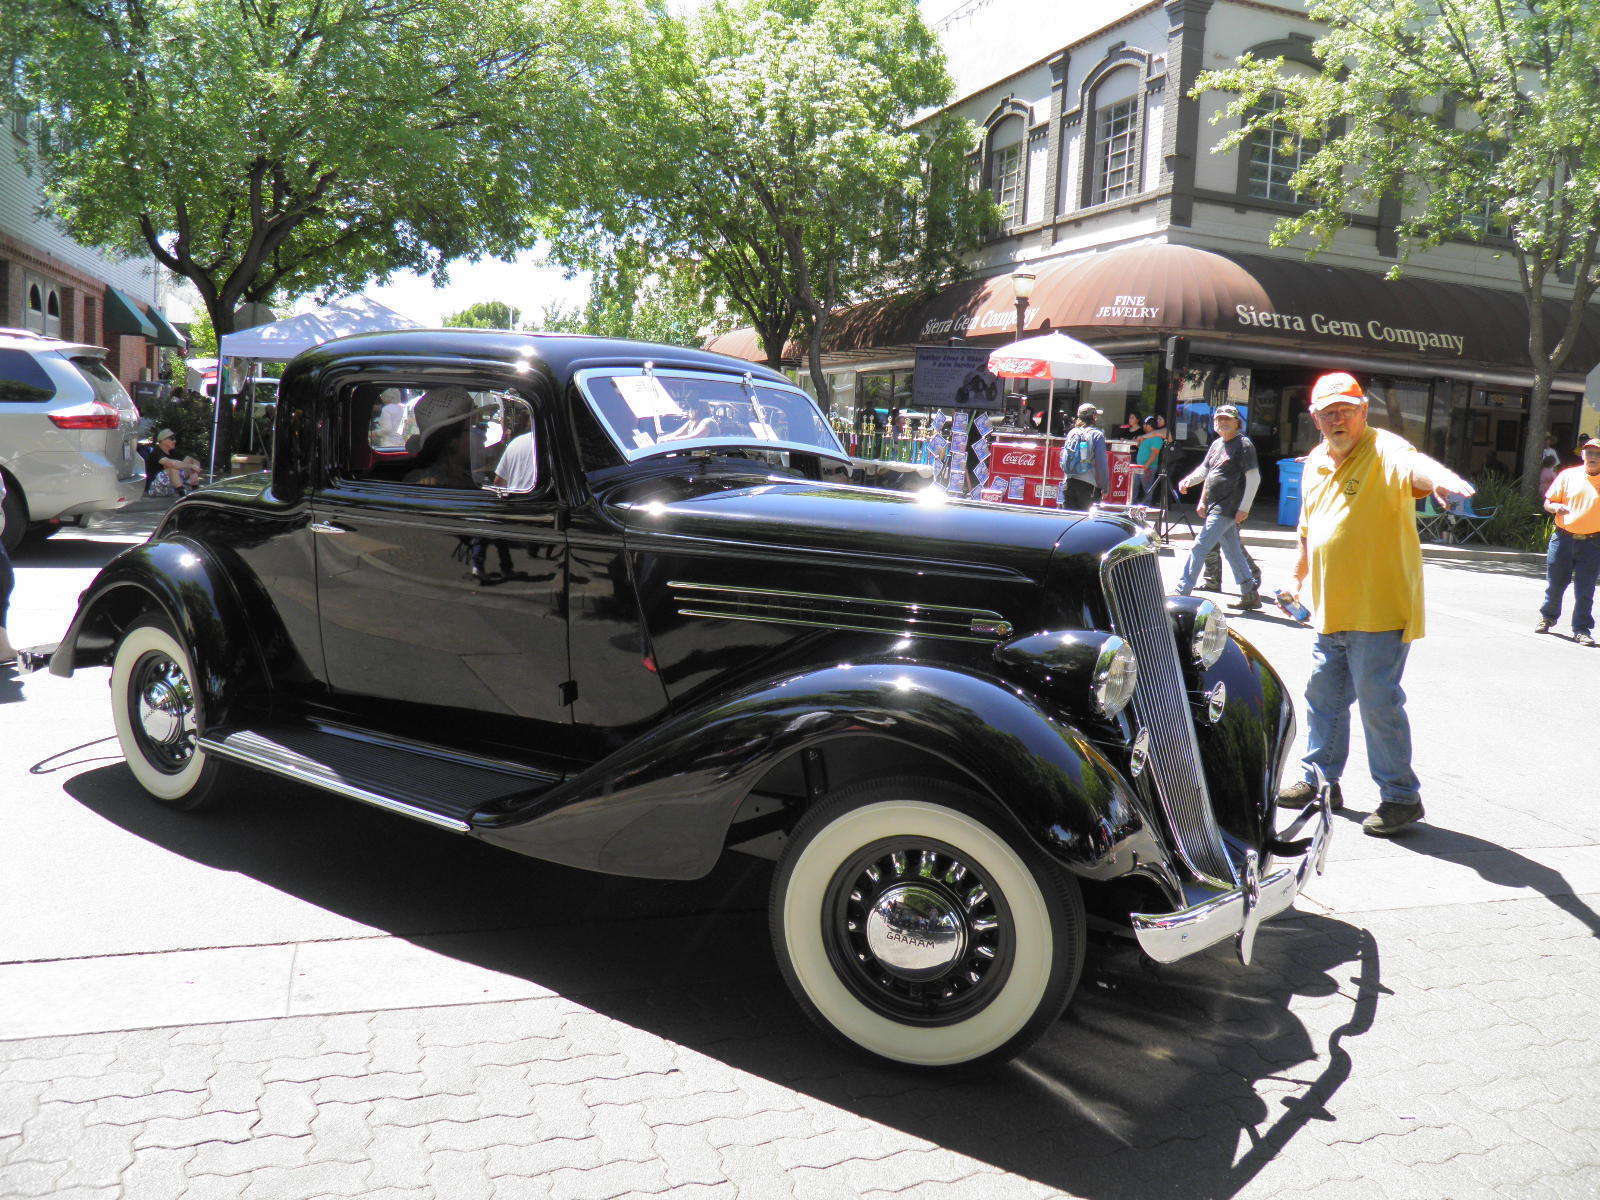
1591,444
1336,387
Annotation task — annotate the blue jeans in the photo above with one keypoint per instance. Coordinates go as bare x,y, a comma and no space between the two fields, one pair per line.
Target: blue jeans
1220,528
1364,667
1570,560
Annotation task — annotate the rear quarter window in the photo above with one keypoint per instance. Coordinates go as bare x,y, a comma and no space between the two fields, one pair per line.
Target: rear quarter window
22,379
106,386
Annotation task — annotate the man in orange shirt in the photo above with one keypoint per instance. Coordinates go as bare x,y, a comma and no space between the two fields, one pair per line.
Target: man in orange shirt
1361,569
1574,553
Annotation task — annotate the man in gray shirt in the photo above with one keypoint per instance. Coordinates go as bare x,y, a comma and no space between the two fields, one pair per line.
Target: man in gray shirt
1229,477
1085,461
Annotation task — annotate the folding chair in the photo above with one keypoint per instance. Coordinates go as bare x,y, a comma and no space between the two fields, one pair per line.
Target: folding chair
1467,524
1433,522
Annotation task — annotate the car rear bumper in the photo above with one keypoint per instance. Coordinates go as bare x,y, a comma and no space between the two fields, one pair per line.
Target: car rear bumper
1237,912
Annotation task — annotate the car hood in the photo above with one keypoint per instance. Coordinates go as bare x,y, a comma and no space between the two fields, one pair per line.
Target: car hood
840,519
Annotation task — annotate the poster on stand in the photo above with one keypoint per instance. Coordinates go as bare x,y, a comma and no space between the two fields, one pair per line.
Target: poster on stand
955,377
956,481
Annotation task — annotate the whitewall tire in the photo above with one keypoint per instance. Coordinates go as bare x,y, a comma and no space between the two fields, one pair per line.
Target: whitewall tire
914,922
156,710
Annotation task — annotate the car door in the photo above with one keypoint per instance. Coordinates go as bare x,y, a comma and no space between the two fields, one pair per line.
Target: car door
442,596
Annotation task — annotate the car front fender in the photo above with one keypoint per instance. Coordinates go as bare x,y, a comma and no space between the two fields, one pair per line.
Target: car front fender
662,805
179,579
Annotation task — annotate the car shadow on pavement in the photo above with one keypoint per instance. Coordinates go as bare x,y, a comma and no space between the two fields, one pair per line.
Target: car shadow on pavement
1149,1086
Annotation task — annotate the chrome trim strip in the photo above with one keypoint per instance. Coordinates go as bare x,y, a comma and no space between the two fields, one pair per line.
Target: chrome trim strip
774,606
329,783
1136,597
1236,912
914,605
760,620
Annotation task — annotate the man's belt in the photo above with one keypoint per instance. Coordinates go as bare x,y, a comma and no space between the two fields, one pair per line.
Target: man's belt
1577,537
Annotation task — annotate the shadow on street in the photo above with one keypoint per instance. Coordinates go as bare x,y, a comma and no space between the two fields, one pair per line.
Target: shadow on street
1148,1087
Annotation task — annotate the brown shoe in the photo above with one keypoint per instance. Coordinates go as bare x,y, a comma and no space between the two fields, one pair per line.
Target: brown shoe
1544,625
1391,818
1248,602
1303,794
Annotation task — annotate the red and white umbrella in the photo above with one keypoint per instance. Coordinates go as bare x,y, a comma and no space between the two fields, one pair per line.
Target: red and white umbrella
1052,356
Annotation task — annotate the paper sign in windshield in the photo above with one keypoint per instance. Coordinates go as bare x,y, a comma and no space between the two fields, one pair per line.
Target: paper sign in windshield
646,397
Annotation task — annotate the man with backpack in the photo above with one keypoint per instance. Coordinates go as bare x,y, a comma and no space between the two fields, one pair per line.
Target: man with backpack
1085,461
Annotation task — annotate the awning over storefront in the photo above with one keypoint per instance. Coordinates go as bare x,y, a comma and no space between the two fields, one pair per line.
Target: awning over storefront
166,335
122,315
1163,288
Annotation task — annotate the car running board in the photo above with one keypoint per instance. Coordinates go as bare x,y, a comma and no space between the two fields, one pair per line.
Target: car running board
442,790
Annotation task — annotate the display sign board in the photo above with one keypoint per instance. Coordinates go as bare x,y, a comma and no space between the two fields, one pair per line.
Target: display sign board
955,377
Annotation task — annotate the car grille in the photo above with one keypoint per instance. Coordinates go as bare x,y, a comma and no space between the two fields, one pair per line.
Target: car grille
1161,704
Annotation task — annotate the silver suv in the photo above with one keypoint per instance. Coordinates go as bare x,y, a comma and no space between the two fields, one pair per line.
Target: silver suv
67,432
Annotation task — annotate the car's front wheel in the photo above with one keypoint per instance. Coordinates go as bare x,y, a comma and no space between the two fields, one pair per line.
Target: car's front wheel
155,708
916,923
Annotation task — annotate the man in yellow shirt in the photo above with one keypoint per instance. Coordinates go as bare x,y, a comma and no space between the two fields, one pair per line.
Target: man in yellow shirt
1361,566
1574,553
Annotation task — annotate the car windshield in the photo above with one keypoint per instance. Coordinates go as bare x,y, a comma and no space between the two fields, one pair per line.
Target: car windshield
664,412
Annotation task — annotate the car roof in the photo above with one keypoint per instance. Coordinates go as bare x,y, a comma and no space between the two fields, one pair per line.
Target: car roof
27,339
558,353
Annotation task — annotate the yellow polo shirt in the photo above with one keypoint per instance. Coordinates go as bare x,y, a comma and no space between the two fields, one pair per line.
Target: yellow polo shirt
1580,492
1359,520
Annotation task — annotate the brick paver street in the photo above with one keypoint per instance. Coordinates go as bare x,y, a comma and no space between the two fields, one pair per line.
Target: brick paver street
297,996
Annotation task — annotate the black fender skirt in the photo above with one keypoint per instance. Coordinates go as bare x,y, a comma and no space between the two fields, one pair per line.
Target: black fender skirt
181,579
661,806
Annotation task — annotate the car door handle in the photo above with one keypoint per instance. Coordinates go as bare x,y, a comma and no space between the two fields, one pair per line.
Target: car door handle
328,527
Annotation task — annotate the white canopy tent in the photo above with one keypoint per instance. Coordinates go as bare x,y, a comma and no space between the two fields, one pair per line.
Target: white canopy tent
282,340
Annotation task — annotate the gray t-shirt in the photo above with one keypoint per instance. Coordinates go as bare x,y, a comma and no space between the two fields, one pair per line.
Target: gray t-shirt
1225,465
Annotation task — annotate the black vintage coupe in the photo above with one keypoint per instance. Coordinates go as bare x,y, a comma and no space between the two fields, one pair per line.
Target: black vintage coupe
614,605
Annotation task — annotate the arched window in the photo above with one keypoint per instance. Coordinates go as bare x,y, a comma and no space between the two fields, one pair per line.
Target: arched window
52,305
35,298
1274,154
1006,166
1116,137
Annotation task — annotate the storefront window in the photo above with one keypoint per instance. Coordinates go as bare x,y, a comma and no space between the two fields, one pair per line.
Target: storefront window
1400,406
1133,391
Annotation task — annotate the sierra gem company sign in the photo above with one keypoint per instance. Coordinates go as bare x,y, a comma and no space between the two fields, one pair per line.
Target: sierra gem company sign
1371,330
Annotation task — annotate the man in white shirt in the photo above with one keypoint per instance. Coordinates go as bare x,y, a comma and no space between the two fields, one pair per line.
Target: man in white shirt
518,468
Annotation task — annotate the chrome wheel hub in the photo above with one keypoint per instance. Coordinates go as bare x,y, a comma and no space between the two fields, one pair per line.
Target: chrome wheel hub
163,711
915,932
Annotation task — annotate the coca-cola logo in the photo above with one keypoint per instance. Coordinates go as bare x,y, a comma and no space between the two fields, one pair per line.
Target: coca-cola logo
1018,458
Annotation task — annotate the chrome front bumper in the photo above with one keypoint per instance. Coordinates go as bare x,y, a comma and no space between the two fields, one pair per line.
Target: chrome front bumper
1237,913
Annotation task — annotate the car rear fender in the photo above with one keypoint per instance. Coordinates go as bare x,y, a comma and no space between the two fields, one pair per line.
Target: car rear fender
662,805
178,579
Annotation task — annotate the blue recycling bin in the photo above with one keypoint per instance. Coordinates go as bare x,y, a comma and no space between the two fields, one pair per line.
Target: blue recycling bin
1289,472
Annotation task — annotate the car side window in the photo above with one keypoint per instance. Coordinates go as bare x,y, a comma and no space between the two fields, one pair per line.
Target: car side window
444,437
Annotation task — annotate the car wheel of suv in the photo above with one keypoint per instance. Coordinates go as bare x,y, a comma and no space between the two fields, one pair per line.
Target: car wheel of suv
914,922
156,711
14,513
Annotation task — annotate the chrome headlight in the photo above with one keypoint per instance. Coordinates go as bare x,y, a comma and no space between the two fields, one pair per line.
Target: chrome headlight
1116,673
1210,636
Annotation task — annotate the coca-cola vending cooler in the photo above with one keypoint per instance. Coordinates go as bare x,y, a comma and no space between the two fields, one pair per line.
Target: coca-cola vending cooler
1018,470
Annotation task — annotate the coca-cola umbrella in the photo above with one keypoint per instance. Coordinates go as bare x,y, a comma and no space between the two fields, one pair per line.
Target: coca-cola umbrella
1051,356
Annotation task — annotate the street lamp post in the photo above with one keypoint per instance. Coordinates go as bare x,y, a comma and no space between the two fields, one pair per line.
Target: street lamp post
1022,287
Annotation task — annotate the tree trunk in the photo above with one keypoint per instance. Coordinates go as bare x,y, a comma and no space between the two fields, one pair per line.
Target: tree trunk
819,379
773,341
222,321
1538,426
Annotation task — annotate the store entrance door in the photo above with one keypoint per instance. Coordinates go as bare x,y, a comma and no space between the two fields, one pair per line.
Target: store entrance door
1279,426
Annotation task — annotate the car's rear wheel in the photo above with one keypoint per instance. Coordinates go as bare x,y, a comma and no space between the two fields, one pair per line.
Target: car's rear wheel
156,709
915,922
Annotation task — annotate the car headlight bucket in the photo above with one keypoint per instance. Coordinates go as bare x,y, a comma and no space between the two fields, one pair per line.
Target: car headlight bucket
1116,674
1210,637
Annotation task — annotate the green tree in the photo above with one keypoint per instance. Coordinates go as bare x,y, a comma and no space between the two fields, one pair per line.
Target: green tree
770,142
633,297
485,314
1522,157
202,338
262,149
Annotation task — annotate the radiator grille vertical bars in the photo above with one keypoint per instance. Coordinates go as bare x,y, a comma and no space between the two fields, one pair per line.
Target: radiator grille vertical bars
1161,703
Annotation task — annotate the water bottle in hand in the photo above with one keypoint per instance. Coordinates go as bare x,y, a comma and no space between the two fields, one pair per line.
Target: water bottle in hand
1292,606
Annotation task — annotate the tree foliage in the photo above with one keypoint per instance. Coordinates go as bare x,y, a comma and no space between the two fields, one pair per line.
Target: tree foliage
276,148
632,296
485,314
768,143
1522,154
